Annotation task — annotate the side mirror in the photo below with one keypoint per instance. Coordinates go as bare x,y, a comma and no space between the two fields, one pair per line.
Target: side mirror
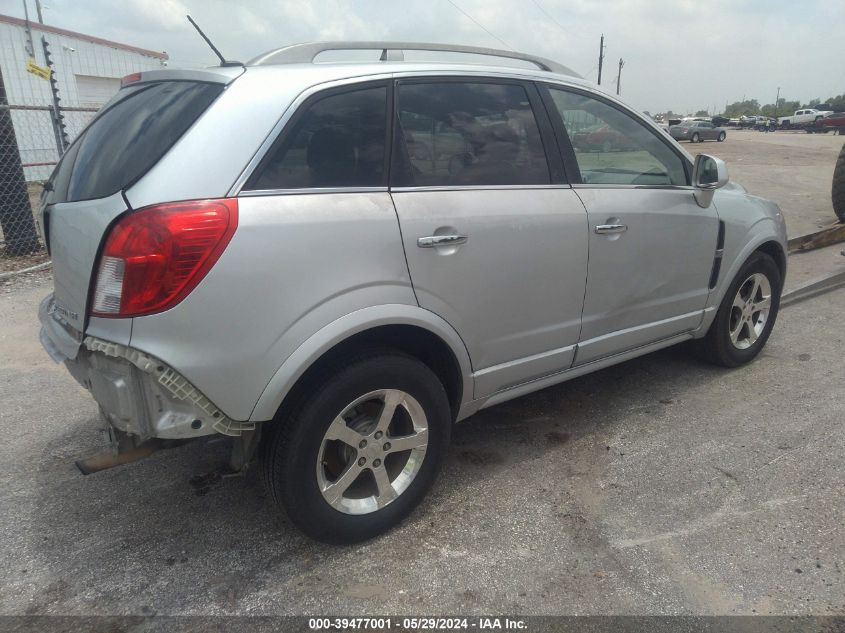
708,174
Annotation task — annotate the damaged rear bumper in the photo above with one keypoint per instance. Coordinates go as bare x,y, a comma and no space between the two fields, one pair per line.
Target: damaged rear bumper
138,394
143,396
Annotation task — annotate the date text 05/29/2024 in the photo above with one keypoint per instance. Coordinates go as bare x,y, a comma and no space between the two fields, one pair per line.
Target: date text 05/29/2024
416,624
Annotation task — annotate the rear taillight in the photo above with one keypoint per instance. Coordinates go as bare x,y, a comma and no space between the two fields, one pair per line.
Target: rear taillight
154,257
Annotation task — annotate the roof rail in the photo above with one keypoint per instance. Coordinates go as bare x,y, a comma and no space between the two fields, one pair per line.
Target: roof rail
392,51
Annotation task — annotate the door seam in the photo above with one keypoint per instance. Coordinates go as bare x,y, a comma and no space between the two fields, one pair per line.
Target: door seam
586,279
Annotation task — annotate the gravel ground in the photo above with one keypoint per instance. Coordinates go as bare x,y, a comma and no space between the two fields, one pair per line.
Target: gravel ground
662,485
795,169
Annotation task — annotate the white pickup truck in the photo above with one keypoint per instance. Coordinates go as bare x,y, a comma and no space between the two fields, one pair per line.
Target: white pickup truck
802,118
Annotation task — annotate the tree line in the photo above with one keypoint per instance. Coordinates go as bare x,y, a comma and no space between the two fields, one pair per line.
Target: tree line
784,107
751,107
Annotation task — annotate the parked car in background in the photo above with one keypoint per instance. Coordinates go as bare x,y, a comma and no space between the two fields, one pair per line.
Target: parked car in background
697,131
834,121
765,124
802,118
259,251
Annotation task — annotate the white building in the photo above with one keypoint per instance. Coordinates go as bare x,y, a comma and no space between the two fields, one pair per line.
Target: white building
88,70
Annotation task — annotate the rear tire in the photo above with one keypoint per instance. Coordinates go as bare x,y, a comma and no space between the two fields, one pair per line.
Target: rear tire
838,189
695,138
352,489
746,315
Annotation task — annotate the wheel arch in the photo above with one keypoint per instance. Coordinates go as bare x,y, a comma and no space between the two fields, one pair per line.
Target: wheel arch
773,249
408,329
765,243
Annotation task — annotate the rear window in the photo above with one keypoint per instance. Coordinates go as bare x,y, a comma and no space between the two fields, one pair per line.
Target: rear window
129,137
465,133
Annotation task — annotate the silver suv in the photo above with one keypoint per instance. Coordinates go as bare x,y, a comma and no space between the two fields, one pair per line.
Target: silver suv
334,262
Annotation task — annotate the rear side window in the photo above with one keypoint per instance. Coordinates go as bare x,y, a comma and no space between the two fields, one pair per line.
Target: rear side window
337,141
129,137
457,133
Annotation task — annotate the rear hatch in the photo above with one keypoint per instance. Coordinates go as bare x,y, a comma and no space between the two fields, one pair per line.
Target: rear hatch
85,193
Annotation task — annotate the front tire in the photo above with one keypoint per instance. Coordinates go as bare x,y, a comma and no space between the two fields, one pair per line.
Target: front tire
837,192
722,137
695,138
359,451
746,315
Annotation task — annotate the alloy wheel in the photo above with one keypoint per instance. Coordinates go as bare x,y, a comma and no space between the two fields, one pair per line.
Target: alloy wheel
750,311
372,451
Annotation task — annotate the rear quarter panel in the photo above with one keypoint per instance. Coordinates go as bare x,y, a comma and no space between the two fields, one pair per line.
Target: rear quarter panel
296,263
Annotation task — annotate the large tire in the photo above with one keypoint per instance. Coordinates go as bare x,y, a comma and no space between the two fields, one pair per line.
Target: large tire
302,459
695,138
720,345
838,189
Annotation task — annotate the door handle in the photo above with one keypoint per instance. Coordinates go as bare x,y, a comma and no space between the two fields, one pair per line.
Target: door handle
609,229
441,240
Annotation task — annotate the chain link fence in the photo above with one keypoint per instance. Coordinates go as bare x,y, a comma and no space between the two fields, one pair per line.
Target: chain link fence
53,81
30,147
32,139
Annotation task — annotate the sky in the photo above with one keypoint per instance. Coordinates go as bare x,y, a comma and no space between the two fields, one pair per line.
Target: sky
678,55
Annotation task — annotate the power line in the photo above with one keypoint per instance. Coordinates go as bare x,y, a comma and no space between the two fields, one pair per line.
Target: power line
559,25
479,25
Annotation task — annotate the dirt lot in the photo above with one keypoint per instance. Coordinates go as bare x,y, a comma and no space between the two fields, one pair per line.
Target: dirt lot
795,169
662,485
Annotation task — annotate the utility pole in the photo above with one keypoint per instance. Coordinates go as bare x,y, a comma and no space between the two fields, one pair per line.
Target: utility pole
777,99
619,75
601,56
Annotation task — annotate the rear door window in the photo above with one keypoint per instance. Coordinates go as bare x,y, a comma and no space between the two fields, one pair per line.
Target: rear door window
130,136
336,141
467,133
